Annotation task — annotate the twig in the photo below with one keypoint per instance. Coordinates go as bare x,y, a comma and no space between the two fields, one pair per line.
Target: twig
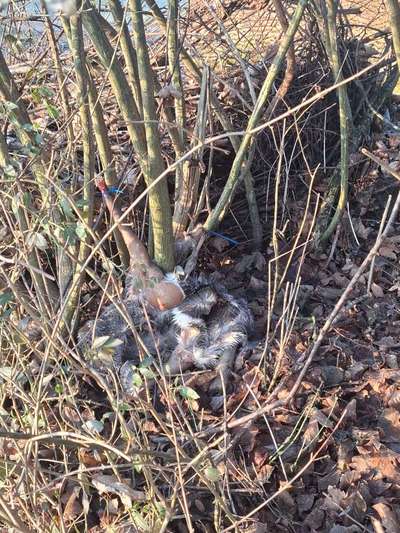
381,163
381,226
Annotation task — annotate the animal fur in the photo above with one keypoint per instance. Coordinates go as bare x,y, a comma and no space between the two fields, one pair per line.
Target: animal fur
204,331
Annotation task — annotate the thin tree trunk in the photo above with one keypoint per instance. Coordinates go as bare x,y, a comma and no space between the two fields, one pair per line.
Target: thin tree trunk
106,158
239,163
226,124
75,37
60,74
128,52
184,178
4,154
158,196
393,8
21,121
161,218
290,62
45,288
344,115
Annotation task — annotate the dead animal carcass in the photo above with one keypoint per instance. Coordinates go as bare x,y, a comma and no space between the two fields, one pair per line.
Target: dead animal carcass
190,323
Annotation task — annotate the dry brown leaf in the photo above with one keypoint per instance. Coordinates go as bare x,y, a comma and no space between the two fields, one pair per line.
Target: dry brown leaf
381,465
349,479
351,411
264,473
257,284
377,525
377,291
200,381
345,529
334,500
310,437
388,518
377,487
345,451
246,437
250,381
110,484
112,506
304,502
387,342
73,506
259,261
287,503
387,251
392,396
361,230
389,425
321,418
149,426
340,280
358,506
316,519
91,458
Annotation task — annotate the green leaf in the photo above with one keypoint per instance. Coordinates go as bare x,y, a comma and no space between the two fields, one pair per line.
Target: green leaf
30,150
45,92
81,203
10,39
99,342
69,233
10,106
137,380
59,389
105,357
52,111
14,43
36,96
38,240
5,298
5,314
112,343
212,474
160,509
137,463
10,171
124,407
188,393
66,208
147,373
96,426
80,230
147,361
138,520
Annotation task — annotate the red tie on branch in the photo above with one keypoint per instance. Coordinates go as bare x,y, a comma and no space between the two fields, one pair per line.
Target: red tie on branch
101,185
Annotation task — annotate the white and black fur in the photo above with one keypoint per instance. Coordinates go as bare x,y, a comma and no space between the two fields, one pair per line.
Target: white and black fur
205,331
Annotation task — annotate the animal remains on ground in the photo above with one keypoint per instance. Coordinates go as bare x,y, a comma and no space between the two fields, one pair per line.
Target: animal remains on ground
188,323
